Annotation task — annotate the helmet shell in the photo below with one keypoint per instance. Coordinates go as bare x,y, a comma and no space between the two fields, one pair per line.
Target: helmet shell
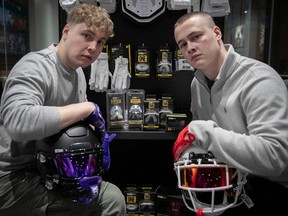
79,136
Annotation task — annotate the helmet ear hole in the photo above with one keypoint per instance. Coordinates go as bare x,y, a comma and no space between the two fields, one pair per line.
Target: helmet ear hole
192,156
45,165
41,163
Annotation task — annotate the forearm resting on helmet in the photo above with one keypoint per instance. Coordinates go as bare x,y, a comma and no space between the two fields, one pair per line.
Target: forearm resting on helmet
75,112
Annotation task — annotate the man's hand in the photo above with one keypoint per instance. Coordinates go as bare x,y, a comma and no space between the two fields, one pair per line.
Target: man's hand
96,119
183,141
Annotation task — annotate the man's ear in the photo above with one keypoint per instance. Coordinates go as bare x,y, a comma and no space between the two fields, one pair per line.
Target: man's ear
217,32
65,31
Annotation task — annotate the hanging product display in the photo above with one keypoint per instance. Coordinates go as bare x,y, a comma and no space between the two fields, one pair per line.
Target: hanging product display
100,73
216,8
67,5
120,50
121,67
142,62
190,5
143,11
121,76
164,62
109,5
180,61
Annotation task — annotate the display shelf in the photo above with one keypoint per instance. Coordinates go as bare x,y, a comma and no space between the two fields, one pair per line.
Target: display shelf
144,135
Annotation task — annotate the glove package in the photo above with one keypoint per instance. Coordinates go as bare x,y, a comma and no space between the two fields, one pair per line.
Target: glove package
100,73
121,76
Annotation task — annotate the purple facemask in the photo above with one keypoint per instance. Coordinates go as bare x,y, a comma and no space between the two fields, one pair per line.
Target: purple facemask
84,169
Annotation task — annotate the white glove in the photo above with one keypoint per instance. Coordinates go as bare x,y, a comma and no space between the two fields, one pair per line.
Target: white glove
121,76
99,77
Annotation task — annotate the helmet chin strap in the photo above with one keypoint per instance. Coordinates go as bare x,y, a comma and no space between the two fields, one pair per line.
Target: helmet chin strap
91,184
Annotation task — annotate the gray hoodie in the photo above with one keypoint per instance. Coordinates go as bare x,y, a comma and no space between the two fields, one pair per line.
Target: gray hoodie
243,119
35,86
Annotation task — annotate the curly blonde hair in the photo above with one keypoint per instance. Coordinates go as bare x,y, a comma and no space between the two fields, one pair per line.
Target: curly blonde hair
92,15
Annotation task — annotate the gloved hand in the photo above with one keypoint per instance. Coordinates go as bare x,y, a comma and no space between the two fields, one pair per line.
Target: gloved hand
99,77
106,150
183,141
91,184
121,76
96,119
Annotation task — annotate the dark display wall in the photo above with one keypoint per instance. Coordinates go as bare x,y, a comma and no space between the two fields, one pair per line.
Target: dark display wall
157,33
137,160
143,158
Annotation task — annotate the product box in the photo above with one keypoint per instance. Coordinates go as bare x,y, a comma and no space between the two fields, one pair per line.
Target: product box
115,105
151,113
131,194
166,107
135,107
147,199
175,122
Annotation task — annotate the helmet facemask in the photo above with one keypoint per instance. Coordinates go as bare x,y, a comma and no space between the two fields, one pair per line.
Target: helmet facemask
206,184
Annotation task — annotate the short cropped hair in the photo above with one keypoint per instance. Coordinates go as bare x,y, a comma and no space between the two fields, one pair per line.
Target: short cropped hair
204,15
